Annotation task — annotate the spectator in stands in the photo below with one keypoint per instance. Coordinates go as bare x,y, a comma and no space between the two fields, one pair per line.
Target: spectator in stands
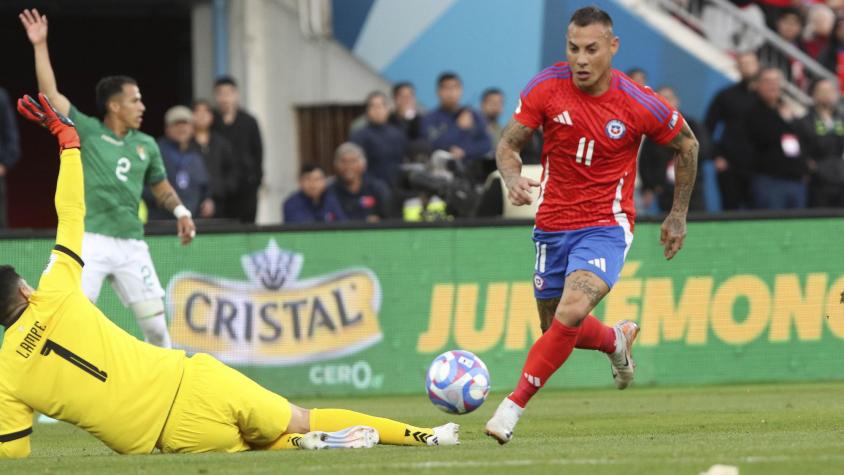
818,29
789,26
383,143
726,119
821,133
362,197
10,150
833,56
780,169
656,164
241,129
219,159
406,114
314,202
730,33
492,105
184,165
459,130
638,75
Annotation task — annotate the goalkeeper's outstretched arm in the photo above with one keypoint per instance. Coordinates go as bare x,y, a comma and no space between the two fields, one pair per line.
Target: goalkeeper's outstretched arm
70,193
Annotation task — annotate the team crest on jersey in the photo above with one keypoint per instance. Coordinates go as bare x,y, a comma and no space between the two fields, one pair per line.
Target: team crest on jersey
538,282
141,152
615,129
674,116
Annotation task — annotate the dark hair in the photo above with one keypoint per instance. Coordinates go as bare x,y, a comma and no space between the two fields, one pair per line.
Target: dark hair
372,95
447,76
490,91
9,284
401,85
633,71
225,81
790,11
109,87
202,102
309,168
588,15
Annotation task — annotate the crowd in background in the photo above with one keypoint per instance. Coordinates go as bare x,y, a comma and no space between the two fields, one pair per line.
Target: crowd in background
402,162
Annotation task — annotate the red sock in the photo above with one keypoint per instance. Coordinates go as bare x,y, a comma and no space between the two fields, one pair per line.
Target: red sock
547,354
594,335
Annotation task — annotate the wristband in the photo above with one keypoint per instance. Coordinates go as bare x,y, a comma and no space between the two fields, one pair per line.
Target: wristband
181,212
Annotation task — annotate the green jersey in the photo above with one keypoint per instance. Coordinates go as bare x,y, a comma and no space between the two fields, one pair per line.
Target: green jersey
116,170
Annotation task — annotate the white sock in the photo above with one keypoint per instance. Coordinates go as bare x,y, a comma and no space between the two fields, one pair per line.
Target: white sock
155,331
150,317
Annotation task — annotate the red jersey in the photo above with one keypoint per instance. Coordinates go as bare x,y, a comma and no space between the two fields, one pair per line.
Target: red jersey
590,146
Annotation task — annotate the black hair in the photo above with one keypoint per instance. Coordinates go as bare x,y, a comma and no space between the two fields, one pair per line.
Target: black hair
308,168
447,76
225,81
633,71
490,91
401,85
589,15
9,284
109,87
790,11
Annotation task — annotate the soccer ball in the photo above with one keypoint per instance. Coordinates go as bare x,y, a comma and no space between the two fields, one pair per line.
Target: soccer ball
457,382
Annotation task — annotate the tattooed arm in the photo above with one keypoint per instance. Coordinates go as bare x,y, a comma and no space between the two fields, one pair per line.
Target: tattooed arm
513,139
167,198
685,147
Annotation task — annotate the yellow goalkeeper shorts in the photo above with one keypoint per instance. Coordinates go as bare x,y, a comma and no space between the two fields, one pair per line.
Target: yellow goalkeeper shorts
218,409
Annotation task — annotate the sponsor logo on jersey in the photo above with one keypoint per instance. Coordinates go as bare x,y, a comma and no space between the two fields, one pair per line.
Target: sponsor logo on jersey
274,318
564,118
110,140
615,129
141,152
674,117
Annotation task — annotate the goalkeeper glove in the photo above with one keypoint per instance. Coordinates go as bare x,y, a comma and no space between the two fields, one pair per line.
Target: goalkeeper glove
44,113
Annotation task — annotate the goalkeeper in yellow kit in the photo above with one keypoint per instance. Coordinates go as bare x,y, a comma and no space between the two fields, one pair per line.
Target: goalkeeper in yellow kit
61,356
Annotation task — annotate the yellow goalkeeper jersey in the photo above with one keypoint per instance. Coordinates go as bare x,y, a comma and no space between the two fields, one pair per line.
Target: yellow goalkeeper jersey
64,358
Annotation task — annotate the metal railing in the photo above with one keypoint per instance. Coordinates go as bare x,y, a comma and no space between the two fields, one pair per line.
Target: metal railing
799,69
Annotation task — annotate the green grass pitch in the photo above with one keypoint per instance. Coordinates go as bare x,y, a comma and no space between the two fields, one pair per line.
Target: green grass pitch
762,429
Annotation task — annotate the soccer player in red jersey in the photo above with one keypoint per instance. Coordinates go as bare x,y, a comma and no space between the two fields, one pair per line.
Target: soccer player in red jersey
593,119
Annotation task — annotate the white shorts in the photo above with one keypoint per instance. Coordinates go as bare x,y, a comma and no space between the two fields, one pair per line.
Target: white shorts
127,265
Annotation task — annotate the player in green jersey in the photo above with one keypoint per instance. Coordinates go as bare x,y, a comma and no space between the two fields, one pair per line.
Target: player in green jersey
119,160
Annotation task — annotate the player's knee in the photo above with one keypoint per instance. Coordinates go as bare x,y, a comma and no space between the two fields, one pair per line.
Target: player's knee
300,420
573,310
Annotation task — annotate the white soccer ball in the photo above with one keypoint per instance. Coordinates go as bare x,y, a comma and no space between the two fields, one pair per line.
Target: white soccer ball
457,382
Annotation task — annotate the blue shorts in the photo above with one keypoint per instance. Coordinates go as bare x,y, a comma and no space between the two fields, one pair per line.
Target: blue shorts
600,250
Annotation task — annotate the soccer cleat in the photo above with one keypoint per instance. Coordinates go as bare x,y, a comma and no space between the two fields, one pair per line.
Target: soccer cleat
621,360
448,434
501,426
355,437
311,441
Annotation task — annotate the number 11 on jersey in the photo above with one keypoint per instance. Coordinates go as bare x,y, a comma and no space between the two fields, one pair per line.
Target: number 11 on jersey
589,149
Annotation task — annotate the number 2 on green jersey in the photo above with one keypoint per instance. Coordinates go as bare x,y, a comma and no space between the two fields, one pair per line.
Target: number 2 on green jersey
123,167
